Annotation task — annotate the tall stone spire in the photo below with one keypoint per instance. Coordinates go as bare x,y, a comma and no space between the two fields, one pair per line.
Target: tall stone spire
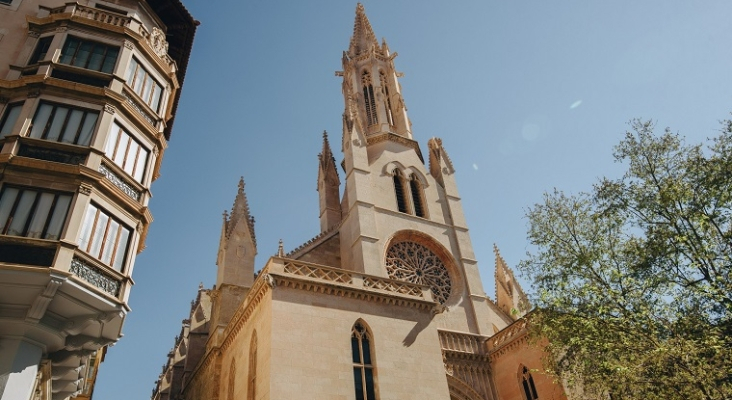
235,262
328,187
371,90
510,298
363,39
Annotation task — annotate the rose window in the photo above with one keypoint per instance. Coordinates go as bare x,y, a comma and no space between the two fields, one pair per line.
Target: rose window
415,263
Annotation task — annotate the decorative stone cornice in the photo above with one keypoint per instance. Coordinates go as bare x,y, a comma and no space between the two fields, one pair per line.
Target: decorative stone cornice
508,339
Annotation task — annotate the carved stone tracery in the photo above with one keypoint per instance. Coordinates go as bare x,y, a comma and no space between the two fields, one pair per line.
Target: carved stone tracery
415,263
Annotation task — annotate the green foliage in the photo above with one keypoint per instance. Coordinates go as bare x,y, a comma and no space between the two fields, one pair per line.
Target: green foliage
633,278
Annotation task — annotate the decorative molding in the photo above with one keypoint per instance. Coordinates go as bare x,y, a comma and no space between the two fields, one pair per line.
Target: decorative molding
158,43
85,189
34,93
95,276
129,45
34,34
40,304
119,182
110,109
62,29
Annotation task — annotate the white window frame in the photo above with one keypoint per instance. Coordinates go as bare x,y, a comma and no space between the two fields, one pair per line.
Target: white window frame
120,144
105,237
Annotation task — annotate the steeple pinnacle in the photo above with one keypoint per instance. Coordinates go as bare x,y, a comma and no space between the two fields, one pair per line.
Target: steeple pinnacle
240,211
363,38
328,187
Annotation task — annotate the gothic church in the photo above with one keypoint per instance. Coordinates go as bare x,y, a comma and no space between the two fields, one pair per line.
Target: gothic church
386,302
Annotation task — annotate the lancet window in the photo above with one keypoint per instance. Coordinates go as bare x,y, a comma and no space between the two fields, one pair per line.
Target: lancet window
368,97
363,367
387,99
399,190
527,384
417,200
252,373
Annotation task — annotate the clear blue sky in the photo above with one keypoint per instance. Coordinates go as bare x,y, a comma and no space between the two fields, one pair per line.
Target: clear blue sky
526,95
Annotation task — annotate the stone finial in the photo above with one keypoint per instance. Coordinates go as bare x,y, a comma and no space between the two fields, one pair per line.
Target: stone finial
281,249
363,38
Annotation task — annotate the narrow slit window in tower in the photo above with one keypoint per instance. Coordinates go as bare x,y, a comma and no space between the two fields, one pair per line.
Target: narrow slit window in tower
368,98
387,100
416,188
399,191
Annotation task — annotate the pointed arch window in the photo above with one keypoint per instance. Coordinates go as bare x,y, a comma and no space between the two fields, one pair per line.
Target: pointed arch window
527,384
252,373
399,190
387,99
368,98
417,199
363,367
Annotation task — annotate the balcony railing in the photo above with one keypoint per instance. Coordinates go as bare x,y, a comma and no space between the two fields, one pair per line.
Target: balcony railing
94,14
463,342
95,276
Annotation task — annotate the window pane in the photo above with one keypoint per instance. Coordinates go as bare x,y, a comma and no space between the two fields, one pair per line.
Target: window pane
110,241
140,167
72,126
139,78
100,229
20,217
41,49
124,142
59,216
40,120
88,128
87,226
82,55
366,350
156,97
9,119
112,140
148,89
69,50
119,256
97,56
6,204
59,117
131,158
130,71
358,383
354,350
40,215
110,60
370,384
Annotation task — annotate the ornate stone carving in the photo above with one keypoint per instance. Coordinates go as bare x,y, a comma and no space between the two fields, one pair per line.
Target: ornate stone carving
110,108
128,45
95,276
85,188
119,182
415,263
158,42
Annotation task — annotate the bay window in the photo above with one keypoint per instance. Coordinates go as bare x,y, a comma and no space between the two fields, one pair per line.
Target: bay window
33,213
126,152
89,54
9,118
61,123
142,83
104,237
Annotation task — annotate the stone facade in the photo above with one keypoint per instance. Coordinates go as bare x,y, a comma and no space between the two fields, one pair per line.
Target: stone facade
88,94
386,302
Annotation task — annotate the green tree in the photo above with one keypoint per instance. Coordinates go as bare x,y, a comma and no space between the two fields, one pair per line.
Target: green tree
633,278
